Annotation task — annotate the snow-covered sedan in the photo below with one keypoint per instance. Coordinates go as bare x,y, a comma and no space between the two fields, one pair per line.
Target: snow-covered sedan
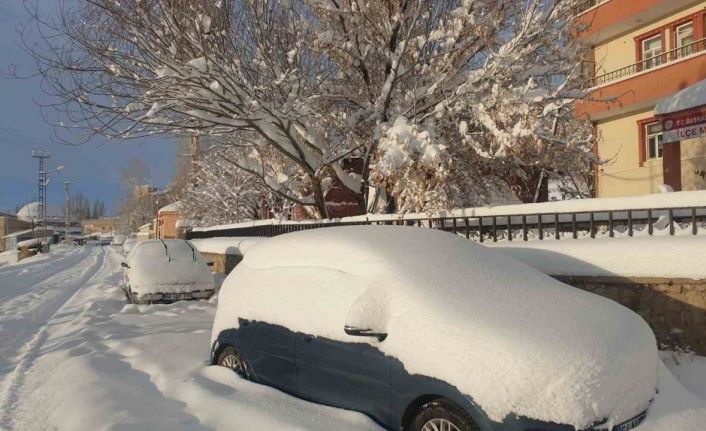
166,271
423,330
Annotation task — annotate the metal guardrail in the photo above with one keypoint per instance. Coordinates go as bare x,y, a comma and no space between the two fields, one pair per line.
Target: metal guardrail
510,226
650,63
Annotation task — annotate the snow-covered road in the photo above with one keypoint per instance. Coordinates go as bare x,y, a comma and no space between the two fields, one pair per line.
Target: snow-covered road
75,356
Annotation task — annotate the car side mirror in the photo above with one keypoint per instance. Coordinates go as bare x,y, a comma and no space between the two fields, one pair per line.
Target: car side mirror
209,263
124,265
367,316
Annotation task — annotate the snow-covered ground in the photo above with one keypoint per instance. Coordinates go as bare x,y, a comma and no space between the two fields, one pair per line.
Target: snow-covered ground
75,356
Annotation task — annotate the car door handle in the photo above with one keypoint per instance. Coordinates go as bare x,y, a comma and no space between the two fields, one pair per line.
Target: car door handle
308,338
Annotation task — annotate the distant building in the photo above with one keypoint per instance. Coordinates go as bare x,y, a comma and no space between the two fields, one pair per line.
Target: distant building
56,221
10,241
144,190
167,218
643,53
145,232
10,224
99,226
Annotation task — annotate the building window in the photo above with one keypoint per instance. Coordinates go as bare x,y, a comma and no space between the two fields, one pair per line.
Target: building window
652,52
684,39
653,140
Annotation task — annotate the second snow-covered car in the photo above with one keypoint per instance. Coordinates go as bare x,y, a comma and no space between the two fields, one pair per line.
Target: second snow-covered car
166,271
423,330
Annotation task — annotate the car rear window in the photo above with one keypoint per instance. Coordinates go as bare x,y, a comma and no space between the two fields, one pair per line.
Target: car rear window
180,250
149,251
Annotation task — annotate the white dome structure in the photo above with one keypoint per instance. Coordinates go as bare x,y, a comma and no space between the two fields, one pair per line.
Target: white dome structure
30,212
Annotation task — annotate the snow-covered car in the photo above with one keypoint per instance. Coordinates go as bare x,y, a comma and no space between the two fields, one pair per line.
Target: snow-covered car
166,271
423,330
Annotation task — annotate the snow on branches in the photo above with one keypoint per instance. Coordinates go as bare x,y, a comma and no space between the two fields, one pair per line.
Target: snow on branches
467,93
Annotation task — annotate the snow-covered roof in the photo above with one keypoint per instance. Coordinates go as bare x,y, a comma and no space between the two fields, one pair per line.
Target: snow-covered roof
29,242
30,212
690,97
173,207
515,340
19,233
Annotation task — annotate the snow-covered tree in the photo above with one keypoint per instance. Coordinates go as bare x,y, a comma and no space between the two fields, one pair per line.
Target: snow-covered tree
221,193
440,102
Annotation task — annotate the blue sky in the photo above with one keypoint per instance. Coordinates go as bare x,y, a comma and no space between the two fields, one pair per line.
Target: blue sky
94,167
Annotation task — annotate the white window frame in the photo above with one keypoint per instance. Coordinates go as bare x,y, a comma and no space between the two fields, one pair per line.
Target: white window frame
655,59
678,39
653,141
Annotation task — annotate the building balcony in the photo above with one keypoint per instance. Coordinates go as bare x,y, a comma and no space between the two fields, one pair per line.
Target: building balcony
673,55
602,20
643,84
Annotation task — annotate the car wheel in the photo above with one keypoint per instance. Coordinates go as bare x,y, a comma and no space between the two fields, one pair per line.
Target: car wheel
231,358
442,415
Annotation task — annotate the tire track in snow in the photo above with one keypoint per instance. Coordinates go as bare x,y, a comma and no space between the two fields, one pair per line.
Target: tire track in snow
27,353
37,273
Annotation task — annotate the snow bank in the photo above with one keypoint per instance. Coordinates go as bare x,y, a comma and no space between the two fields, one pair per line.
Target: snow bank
226,245
674,408
514,339
8,257
677,257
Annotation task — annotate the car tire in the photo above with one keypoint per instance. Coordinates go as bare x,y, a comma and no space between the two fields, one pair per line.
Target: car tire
230,358
442,415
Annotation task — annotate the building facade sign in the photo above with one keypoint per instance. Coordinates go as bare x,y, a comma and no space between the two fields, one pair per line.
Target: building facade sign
681,126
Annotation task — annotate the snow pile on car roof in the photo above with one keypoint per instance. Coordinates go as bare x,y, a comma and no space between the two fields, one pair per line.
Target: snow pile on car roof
515,340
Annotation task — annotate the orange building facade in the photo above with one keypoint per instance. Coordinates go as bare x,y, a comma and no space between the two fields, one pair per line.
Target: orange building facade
643,52
167,217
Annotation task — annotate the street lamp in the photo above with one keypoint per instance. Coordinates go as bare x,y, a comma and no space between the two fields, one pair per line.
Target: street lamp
44,182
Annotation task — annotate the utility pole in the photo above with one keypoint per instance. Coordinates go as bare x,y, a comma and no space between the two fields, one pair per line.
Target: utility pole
42,189
67,185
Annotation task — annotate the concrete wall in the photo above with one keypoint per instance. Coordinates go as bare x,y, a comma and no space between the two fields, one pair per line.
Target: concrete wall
674,308
223,263
99,226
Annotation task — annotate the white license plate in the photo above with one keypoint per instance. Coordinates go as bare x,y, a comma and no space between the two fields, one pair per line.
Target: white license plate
177,296
630,423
